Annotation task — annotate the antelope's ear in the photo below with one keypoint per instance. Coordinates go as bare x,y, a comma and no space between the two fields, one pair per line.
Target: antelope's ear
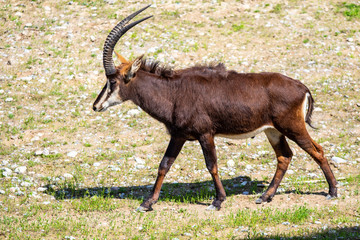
121,58
135,66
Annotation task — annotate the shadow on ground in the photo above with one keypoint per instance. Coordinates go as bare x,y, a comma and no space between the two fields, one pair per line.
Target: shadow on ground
331,234
174,192
197,192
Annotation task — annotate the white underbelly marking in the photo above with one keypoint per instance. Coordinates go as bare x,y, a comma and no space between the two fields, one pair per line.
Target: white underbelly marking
246,135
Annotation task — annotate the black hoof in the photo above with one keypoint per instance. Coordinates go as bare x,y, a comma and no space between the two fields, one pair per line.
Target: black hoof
329,197
263,199
212,208
143,209
259,201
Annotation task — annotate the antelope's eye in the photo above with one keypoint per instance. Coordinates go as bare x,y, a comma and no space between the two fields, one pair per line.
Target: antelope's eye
113,81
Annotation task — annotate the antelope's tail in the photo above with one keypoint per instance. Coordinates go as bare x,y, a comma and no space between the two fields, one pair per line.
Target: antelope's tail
310,109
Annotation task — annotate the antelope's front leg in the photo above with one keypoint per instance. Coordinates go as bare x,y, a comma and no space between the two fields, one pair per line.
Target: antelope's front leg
208,148
171,153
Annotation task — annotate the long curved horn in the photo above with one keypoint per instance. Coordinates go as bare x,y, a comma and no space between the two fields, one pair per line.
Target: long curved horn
114,36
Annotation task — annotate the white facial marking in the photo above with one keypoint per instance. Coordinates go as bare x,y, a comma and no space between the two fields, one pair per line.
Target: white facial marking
114,99
99,105
107,101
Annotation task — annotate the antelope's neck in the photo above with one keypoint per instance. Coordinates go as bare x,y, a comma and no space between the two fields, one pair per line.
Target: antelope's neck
154,96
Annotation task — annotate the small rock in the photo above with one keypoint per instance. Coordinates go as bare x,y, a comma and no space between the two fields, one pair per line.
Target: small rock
46,152
19,193
72,154
338,160
9,99
111,2
243,183
6,172
317,222
14,189
2,192
133,112
246,193
285,223
140,166
68,176
36,138
262,153
151,50
92,38
96,164
312,175
38,152
70,237
4,162
290,171
20,170
139,160
25,184
41,189
230,163
317,109
248,167
114,189
114,168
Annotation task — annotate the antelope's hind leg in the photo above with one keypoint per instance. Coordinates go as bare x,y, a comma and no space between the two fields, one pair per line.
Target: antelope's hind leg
316,152
284,155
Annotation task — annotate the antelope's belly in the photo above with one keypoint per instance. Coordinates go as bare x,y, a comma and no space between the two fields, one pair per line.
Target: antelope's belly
246,135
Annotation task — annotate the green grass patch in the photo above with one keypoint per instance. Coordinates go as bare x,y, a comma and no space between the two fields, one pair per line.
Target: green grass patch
269,216
94,203
349,10
237,28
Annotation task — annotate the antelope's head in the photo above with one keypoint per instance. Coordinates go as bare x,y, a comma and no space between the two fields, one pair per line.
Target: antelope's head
117,77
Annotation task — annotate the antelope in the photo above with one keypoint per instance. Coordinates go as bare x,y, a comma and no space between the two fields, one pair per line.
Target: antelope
205,101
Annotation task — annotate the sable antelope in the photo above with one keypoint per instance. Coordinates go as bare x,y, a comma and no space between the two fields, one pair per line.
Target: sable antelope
201,102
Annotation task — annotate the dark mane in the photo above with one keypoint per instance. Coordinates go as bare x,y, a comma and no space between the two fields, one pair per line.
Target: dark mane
210,72
213,69
153,66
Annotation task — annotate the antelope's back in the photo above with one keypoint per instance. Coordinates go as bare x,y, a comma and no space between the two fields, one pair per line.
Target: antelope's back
242,102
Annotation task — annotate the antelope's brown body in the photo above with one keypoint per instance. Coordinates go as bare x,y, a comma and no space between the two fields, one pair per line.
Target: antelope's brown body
201,102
